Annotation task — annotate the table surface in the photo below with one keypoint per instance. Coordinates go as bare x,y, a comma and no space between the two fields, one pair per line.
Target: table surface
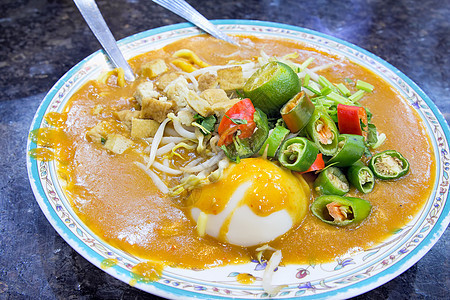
41,40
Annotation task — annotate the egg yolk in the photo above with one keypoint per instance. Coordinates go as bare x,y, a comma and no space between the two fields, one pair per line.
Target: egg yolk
254,202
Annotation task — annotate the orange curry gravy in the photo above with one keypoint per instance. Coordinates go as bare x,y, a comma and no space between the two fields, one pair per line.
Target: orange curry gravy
119,202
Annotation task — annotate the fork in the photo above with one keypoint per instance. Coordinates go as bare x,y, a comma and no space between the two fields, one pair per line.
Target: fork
90,12
184,10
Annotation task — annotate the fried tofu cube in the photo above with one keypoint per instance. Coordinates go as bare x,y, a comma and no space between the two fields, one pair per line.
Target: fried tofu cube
98,133
165,79
117,143
231,78
154,68
207,81
214,96
125,116
143,128
220,108
198,104
145,90
155,109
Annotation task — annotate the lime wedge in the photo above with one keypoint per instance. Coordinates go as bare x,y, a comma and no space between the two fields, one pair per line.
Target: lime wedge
271,87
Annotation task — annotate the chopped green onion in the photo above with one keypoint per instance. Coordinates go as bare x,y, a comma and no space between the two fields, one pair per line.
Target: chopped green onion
356,96
344,90
306,63
338,98
324,82
380,140
326,90
306,80
362,85
313,90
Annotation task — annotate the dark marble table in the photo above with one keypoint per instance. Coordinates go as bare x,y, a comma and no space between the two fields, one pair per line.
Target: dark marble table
40,40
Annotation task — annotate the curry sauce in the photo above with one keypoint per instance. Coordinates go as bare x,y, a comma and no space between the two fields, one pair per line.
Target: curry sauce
121,205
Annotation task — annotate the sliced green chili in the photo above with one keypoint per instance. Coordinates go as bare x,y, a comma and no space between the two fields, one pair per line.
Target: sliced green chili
323,131
350,149
361,177
331,181
242,148
297,154
340,211
274,141
389,164
297,112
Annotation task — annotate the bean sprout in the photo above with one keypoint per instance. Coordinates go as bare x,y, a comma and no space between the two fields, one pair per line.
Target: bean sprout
180,129
156,180
156,141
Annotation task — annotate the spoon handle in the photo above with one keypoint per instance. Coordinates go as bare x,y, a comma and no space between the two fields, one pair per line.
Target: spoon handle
184,10
90,12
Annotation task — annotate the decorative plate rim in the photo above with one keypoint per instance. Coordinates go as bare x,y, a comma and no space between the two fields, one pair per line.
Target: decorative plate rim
40,176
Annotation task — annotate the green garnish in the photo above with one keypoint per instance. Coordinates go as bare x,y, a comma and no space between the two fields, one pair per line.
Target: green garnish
237,121
362,85
343,89
356,96
206,125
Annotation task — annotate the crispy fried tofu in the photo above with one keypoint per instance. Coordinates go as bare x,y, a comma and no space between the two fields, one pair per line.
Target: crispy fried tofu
199,104
98,133
154,68
143,128
214,96
165,79
145,90
178,91
155,109
230,78
207,81
117,143
125,116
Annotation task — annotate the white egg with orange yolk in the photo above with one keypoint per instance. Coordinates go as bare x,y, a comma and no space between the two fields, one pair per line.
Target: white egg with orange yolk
253,203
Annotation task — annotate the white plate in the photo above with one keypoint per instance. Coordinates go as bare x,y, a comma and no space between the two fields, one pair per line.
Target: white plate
343,278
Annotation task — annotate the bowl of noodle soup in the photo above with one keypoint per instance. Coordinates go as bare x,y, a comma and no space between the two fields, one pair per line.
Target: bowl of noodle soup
114,235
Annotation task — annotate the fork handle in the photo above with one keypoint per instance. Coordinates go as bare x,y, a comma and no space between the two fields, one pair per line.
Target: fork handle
186,11
90,12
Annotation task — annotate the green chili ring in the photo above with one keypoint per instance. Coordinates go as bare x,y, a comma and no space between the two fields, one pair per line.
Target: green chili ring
356,209
274,141
317,128
389,164
297,112
361,177
332,181
350,149
297,154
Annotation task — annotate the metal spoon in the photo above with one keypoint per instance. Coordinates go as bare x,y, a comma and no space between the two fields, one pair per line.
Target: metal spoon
184,10
90,12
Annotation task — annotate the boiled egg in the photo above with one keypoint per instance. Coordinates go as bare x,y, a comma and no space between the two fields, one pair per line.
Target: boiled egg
253,203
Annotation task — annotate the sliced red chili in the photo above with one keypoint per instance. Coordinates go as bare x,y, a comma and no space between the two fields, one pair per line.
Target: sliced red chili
317,165
352,120
238,118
